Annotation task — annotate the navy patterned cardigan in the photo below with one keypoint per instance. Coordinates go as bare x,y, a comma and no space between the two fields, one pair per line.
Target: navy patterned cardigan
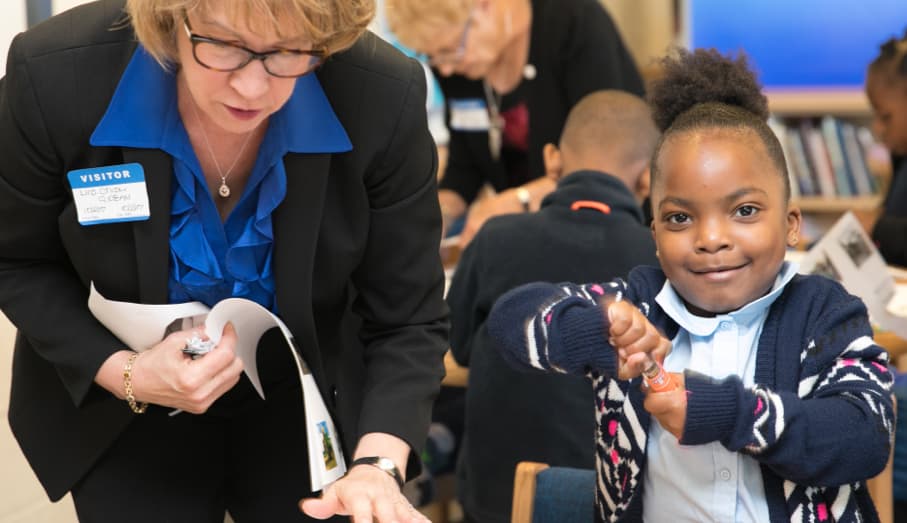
819,419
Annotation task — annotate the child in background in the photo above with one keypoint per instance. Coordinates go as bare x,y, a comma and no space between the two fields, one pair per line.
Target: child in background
782,408
590,228
886,87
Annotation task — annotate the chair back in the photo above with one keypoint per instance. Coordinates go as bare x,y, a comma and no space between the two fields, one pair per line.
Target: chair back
543,494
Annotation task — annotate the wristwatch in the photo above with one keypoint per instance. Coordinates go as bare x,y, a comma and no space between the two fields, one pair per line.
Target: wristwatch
522,194
385,464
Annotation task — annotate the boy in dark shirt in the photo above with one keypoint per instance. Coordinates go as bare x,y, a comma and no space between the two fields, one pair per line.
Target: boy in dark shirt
591,228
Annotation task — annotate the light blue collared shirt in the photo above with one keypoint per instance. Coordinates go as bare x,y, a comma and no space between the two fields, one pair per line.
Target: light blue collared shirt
708,482
212,259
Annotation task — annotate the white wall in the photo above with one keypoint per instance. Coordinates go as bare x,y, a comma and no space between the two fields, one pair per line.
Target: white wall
11,23
62,5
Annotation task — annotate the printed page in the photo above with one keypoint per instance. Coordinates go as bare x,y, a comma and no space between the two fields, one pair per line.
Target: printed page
141,326
846,254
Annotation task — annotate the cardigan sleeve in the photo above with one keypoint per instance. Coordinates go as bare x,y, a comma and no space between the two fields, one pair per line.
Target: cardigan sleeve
835,429
554,328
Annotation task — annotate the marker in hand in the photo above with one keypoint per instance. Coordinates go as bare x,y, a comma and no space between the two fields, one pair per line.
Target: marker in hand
658,379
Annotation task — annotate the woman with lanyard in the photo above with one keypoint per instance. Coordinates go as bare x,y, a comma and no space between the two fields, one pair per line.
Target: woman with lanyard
254,169
510,71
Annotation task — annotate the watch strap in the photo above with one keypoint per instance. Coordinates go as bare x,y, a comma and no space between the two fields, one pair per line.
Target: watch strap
382,463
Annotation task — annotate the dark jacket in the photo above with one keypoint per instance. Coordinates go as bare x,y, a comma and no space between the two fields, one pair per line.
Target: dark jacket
575,49
510,415
358,276
890,230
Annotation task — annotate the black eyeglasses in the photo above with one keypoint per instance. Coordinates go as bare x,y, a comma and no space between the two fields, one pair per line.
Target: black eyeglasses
218,55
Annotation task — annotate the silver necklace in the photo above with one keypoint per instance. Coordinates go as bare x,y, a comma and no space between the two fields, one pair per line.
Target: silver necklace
224,189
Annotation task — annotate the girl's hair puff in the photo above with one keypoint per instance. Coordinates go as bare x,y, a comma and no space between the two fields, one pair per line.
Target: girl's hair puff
705,90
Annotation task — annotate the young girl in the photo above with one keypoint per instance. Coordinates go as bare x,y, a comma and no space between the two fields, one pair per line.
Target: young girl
782,404
886,87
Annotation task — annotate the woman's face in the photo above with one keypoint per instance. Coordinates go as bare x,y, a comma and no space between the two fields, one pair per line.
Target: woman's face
470,49
721,220
236,101
889,110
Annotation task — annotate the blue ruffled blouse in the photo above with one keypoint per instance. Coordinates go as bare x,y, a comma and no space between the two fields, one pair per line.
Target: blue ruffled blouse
211,260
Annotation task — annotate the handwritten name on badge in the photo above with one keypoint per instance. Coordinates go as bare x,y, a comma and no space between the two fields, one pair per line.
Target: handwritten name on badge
110,194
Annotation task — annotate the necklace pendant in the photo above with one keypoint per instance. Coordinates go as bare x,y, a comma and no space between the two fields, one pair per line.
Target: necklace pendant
223,191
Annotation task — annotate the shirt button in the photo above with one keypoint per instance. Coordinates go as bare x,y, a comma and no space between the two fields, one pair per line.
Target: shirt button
724,474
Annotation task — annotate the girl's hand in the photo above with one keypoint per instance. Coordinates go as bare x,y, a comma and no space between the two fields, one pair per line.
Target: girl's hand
632,335
164,375
366,494
670,407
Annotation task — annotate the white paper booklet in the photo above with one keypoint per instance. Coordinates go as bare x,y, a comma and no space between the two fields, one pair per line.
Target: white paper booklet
846,253
142,326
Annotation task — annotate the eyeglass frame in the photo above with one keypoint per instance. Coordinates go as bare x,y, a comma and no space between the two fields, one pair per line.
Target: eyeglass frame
454,57
196,39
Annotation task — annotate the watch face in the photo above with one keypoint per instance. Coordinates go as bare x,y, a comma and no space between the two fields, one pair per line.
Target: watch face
386,464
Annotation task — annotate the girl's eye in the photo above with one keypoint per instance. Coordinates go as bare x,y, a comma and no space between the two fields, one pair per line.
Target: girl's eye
746,211
677,218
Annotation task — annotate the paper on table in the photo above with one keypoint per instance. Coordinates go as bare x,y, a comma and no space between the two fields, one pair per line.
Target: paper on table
140,327
847,254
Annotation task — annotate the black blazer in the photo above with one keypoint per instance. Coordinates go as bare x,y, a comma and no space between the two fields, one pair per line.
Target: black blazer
356,263
575,49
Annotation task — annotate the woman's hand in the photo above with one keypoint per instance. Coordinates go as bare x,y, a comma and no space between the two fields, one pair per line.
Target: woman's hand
164,375
633,336
669,407
366,494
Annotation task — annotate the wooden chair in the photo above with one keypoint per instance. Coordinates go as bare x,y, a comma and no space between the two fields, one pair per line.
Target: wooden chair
881,487
543,494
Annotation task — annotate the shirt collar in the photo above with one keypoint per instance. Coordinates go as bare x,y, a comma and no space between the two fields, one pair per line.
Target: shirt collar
706,326
305,124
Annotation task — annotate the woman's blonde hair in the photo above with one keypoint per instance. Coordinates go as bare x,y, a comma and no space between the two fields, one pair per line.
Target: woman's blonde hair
331,25
415,22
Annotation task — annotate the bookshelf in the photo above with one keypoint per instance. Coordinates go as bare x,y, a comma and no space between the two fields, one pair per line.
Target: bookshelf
804,111
844,102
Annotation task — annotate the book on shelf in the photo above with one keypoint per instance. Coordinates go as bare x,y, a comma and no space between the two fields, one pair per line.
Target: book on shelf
817,153
831,137
780,131
827,157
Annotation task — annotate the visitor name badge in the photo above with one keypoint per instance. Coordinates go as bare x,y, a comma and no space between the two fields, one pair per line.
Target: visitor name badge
110,193
469,114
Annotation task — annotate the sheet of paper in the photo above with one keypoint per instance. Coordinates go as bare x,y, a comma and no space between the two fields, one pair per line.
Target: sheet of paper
898,303
846,254
142,326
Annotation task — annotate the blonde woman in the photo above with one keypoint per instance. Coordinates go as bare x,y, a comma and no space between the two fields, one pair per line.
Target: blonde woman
510,71
286,160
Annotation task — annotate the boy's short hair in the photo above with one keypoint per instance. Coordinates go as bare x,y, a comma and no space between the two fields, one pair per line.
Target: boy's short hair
616,123
332,25
414,22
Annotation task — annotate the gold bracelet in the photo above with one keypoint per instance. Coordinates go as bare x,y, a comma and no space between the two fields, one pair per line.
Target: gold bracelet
127,385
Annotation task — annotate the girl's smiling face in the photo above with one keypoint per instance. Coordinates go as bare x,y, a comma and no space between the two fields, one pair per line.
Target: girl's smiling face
721,218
